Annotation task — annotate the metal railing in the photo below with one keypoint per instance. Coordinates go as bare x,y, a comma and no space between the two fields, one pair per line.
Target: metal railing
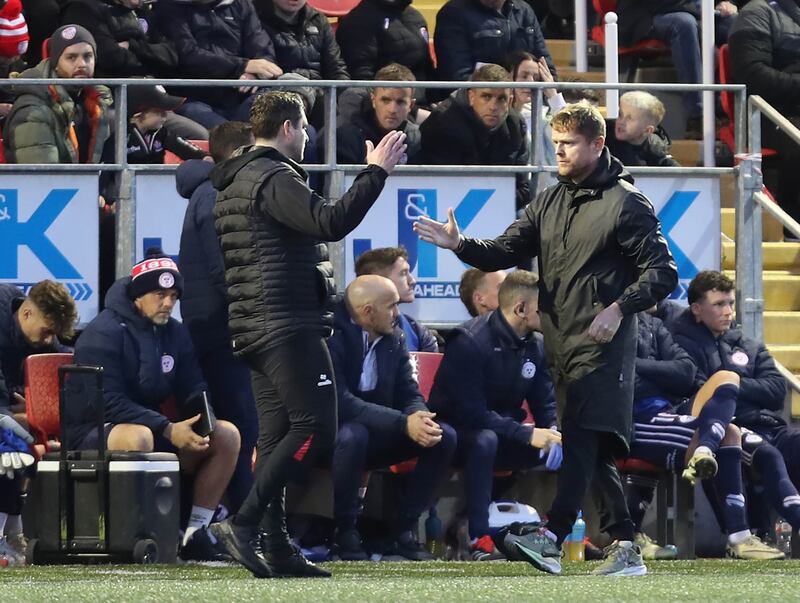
126,206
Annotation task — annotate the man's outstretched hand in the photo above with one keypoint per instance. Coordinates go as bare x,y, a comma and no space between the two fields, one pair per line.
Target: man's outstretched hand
445,235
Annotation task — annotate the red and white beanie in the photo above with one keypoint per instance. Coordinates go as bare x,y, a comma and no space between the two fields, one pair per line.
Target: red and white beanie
156,271
13,30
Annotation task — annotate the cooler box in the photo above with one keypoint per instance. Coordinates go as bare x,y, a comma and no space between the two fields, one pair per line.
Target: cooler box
136,519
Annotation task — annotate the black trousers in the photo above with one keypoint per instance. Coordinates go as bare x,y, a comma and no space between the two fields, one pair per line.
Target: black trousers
295,397
589,462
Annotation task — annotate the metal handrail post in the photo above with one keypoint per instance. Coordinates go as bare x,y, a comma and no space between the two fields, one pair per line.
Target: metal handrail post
581,41
740,120
749,286
709,54
336,187
535,158
125,207
612,65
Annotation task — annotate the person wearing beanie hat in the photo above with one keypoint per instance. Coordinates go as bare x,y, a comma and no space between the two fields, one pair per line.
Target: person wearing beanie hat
60,124
151,385
13,32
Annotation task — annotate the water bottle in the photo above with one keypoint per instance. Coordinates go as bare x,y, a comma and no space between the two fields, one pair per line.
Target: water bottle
433,533
573,544
783,537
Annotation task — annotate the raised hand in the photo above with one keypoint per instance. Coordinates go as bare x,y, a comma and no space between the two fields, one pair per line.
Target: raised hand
446,236
389,152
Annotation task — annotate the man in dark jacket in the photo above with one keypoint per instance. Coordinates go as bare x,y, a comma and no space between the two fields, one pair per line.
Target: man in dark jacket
382,416
765,55
218,39
469,32
385,109
392,263
636,136
602,258
150,371
28,325
476,126
377,33
492,365
272,229
675,431
204,306
707,332
303,39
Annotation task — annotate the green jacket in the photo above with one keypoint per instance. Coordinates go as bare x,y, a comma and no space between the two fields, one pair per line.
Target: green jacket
39,128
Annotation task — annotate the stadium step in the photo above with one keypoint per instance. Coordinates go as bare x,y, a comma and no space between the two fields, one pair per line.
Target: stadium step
781,328
562,52
784,257
772,229
781,291
787,355
689,153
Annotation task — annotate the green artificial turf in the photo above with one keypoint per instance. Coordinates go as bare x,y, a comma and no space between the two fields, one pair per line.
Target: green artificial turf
703,580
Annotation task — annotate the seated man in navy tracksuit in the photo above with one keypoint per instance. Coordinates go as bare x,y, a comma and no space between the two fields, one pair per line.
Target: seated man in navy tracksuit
382,416
673,420
492,364
771,447
148,359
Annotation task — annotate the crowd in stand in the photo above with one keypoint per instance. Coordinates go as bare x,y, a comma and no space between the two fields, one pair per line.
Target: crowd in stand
708,400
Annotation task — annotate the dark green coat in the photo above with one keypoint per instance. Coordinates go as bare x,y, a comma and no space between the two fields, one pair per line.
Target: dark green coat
39,128
597,242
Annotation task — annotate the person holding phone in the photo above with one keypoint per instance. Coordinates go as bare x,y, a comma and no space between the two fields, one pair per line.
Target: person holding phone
152,384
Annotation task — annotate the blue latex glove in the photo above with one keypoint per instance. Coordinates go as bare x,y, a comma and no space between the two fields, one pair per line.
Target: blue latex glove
554,457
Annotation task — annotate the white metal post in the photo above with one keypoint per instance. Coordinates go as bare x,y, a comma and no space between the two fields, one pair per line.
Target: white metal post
581,42
709,50
612,65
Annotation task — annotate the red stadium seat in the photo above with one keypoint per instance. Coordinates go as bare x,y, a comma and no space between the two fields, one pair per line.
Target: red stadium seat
334,9
649,48
427,363
42,397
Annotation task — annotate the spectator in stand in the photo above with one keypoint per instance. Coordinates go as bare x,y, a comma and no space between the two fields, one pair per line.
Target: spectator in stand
493,364
470,33
674,22
304,41
382,416
130,44
13,44
32,324
765,55
479,290
525,67
392,263
636,137
706,330
377,33
204,305
148,360
385,110
477,126
60,124
149,134
218,39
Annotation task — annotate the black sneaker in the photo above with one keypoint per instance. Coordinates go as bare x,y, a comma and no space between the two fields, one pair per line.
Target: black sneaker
347,545
291,563
243,543
406,546
200,548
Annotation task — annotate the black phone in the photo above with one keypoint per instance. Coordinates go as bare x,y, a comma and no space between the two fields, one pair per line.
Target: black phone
198,404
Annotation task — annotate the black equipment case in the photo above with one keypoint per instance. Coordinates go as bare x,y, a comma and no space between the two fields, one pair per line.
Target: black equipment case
90,504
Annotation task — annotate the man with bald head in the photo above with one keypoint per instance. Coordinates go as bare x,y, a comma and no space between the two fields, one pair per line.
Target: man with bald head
382,416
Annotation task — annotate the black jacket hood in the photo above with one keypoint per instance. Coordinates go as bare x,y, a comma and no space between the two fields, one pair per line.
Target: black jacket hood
191,174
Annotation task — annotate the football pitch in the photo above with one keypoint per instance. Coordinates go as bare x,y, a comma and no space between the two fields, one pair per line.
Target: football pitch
714,580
